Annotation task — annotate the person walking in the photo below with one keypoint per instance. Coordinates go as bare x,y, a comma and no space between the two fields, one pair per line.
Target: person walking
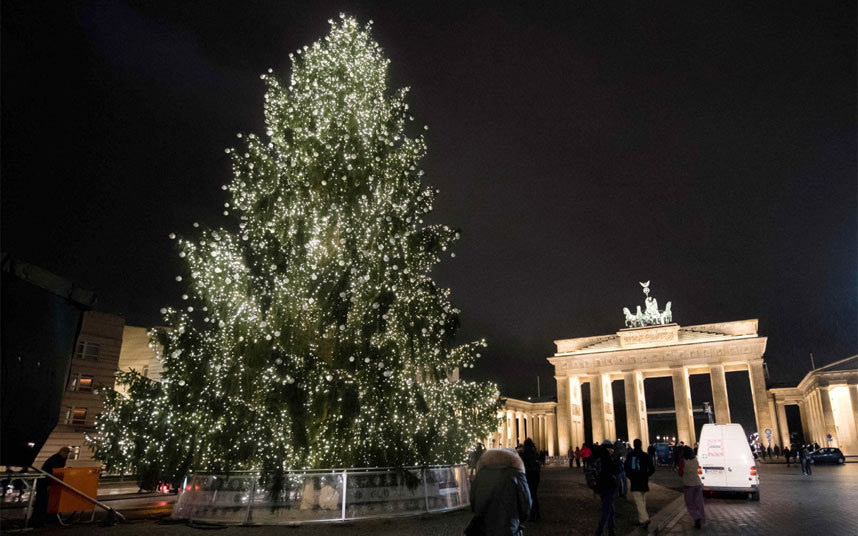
804,458
651,451
619,457
777,451
693,486
787,454
585,454
770,452
500,496
639,468
531,469
606,485
577,456
571,455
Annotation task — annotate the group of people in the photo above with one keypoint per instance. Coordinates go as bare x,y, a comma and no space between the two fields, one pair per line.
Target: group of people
800,455
504,489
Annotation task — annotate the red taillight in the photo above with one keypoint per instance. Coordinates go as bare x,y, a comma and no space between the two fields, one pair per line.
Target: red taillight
188,487
753,470
699,470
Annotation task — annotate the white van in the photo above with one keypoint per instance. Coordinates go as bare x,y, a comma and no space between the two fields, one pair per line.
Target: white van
726,461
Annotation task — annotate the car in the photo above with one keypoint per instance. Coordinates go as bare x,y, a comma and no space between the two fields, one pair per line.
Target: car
828,455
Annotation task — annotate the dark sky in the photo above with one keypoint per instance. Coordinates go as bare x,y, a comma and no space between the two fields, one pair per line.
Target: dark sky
708,147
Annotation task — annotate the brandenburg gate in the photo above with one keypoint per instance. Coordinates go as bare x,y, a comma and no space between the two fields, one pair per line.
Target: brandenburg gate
652,346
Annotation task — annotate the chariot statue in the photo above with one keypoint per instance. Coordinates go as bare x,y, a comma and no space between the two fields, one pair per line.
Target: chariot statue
651,316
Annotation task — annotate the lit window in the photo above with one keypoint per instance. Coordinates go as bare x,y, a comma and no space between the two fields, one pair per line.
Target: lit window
75,453
146,371
78,416
84,384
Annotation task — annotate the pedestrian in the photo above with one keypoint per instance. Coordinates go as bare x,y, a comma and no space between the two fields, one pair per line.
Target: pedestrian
543,457
639,468
770,452
606,485
577,456
619,457
693,487
531,469
787,454
651,451
677,454
585,454
777,451
804,458
500,496
571,455
40,506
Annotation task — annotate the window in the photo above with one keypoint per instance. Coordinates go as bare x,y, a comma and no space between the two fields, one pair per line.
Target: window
87,350
77,416
81,383
85,384
146,371
75,453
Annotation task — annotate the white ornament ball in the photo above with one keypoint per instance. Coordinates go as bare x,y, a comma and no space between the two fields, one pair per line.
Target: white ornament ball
163,310
181,383
172,236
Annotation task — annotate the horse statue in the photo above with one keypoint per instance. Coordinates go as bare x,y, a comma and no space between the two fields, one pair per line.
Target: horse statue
630,318
667,315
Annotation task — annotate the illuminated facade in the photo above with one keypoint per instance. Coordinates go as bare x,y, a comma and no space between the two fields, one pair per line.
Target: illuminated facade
662,350
827,399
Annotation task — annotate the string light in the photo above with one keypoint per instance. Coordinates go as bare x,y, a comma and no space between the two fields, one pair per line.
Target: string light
322,340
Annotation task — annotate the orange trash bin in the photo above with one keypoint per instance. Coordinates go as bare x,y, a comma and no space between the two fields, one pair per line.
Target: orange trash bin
62,500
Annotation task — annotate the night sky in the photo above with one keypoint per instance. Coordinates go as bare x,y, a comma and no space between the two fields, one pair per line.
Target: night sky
707,147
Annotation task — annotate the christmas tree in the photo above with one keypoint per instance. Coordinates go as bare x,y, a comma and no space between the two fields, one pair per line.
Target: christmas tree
311,334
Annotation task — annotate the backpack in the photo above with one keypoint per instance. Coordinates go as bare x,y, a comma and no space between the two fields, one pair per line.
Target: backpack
591,473
635,463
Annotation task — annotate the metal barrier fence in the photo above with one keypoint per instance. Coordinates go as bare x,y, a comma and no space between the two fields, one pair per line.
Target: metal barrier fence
317,496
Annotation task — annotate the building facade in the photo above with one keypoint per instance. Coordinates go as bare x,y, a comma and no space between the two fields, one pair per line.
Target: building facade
520,419
95,360
139,354
827,399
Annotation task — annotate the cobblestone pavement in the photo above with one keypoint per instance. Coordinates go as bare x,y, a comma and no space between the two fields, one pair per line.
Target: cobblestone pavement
568,508
824,503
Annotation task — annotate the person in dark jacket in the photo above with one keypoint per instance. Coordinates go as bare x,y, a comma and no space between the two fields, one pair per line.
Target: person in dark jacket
606,485
500,496
639,468
530,457
40,506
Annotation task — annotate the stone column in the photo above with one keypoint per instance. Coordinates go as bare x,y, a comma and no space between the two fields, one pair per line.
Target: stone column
576,428
682,402
783,425
533,430
505,430
720,403
634,419
853,395
563,419
776,433
610,414
805,420
552,431
519,432
828,417
597,408
820,421
758,393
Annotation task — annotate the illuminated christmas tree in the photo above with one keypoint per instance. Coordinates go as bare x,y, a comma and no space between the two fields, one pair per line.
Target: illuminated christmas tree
311,334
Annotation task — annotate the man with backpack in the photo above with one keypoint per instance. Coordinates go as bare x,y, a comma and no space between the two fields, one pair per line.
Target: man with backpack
638,470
